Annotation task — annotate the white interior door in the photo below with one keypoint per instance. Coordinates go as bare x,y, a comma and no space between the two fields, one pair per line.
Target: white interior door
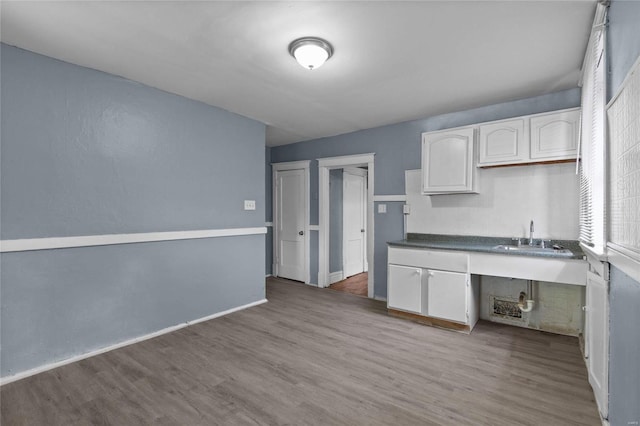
291,238
354,208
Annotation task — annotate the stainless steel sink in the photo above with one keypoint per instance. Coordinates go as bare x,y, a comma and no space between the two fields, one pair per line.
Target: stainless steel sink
533,249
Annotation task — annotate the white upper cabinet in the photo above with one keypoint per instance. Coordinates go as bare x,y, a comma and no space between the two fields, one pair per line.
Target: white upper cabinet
448,156
448,161
504,142
530,139
555,136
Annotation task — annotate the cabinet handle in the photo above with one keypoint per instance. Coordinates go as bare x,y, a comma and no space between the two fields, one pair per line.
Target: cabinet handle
418,271
430,273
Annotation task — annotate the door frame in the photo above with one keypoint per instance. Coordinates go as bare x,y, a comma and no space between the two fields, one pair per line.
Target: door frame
324,165
275,168
363,174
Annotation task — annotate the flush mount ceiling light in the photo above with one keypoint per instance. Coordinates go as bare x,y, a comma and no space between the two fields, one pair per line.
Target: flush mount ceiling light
310,52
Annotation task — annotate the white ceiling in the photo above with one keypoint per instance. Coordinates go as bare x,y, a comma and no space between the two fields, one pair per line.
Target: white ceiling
394,61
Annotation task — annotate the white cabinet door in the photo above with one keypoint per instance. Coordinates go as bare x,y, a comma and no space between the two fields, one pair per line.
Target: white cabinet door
555,136
404,288
597,339
503,142
447,295
447,161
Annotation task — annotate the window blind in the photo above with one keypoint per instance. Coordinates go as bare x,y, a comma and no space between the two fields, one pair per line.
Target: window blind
592,144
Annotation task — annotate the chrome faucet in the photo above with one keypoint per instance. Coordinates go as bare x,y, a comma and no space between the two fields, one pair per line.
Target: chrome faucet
531,233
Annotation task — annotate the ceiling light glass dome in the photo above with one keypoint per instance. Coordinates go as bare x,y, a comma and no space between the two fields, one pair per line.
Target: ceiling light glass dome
310,52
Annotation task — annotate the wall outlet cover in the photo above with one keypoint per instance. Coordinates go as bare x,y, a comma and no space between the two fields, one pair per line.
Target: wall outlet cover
382,208
249,204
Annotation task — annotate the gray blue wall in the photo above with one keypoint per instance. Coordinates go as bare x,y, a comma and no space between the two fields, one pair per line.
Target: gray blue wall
335,220
623,41
623,44
397,148
87,153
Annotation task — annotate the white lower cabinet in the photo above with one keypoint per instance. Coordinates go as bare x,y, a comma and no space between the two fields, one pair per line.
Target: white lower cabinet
419,288
406,293
447,295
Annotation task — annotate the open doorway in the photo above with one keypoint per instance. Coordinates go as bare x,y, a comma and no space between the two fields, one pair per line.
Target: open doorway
348,264
357,245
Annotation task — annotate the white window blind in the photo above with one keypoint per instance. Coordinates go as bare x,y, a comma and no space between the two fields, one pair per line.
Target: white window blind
592,144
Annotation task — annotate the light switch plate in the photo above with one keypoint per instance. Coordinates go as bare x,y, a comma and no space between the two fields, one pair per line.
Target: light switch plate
249,204
406,209
382,208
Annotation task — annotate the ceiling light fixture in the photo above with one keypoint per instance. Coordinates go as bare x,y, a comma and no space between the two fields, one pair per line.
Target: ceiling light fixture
310,52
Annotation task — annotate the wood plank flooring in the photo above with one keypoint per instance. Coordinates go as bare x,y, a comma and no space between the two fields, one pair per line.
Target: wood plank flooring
316,357
357,284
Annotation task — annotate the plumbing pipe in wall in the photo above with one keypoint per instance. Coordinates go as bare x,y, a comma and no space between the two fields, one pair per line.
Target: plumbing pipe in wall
525,301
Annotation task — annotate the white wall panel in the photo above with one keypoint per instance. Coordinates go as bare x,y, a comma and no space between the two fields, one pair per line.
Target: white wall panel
509,198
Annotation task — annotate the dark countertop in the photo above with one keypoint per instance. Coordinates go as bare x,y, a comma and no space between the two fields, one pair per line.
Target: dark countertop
485,245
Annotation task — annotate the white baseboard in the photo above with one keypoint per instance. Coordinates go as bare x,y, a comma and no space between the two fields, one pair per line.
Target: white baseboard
268,275
334,277
380,298
51,366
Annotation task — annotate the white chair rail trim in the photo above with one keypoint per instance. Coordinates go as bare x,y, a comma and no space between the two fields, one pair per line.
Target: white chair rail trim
29,244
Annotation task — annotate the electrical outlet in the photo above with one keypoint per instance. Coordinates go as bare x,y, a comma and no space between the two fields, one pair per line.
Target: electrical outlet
249,204
382,208
406,209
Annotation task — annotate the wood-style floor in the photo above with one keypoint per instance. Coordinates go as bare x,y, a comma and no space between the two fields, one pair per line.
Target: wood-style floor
357,284
316,357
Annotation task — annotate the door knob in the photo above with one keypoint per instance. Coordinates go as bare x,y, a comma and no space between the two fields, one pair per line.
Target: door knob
301,233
